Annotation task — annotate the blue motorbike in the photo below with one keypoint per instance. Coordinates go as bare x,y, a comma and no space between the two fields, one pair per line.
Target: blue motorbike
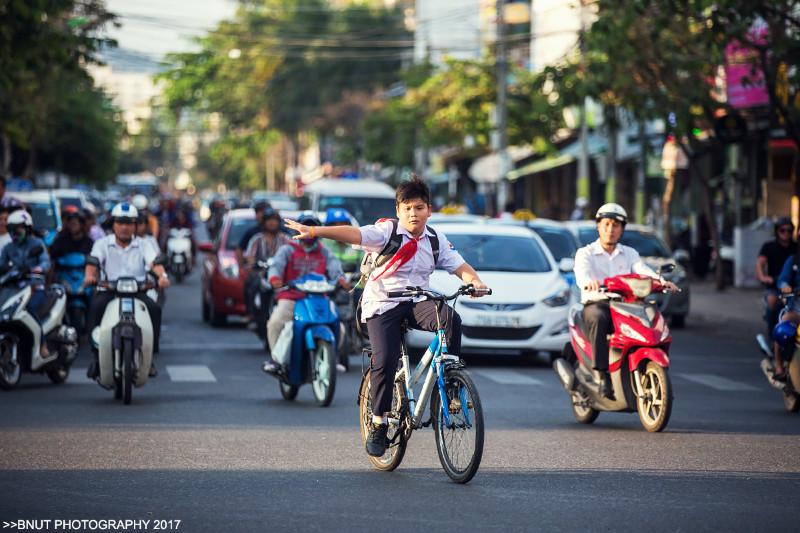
315,336
69,273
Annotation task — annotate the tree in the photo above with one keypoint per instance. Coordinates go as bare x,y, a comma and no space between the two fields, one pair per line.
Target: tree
285,65
44,47
658,60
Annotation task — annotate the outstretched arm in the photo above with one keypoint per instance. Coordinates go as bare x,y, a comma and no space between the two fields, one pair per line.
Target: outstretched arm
348,234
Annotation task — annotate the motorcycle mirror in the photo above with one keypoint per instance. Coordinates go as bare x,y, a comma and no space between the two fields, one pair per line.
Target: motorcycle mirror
567,264
666,269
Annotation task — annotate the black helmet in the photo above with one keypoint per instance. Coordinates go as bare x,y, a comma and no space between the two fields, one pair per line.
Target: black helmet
308,219
261,205
270,213
783,221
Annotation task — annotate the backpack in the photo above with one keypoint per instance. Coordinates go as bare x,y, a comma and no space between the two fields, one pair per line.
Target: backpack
373,260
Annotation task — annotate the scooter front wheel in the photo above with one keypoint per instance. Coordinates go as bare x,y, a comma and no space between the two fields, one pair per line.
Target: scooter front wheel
323,360
655,407
127,371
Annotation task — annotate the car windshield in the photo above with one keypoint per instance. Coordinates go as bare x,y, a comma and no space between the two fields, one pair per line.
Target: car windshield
239,227
647,244
44,217
367,210
587,235
560,242
501,253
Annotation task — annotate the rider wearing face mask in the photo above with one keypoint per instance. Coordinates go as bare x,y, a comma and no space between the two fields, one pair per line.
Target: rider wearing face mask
294,260
19,253
595,262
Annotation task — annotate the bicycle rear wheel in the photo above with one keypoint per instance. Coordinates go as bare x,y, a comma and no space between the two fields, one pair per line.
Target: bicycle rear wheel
460,445
395,451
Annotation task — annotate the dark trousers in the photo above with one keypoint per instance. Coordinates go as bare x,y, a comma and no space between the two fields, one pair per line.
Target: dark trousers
597,317
251,283
100,302
385,336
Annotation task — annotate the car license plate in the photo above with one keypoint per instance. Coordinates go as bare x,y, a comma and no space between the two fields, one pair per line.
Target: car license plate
498,321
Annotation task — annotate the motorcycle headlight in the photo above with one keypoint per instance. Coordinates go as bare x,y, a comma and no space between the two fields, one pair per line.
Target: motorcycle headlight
127,286
640,287
632,333
559,299
317,287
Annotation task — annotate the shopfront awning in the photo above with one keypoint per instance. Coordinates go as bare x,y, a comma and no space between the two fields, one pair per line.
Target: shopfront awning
540,166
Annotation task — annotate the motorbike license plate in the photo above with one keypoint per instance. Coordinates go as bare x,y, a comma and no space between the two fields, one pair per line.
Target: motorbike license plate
178,259
127,305
498,321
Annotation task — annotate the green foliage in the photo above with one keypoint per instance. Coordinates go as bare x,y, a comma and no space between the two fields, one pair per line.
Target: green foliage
286,66
44,46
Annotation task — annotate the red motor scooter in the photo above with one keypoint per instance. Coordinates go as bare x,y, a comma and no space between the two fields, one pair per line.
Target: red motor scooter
638,358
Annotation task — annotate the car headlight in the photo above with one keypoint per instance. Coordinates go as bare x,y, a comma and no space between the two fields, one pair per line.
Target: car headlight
229,267
559,299
127,286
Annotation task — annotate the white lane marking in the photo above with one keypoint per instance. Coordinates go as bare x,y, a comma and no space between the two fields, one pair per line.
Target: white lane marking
508,377
718,382
77,376
218,346
190,373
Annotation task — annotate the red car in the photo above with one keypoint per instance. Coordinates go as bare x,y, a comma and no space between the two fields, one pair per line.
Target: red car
223,280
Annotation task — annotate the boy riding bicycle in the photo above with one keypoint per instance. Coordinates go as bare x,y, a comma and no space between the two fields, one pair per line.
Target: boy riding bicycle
411,265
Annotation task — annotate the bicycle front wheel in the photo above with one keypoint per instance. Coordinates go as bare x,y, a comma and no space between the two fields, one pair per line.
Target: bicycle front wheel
460,444
397,449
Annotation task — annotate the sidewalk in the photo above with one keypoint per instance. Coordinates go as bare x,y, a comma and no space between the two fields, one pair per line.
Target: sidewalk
732,312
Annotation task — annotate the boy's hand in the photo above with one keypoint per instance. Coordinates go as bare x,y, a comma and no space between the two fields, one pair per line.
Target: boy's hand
303,232
478,284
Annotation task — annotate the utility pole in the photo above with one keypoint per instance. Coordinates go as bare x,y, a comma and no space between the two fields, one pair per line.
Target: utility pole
582,185
501,109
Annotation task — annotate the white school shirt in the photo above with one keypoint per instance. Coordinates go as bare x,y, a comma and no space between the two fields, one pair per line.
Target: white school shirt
132,261
592,262
416,272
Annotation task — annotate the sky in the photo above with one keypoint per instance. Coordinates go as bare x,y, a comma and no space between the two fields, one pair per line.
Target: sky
152,28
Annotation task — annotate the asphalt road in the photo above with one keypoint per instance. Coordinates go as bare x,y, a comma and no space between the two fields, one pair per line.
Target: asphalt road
211,443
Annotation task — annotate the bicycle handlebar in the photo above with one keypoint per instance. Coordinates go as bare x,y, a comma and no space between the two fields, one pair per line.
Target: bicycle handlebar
431,295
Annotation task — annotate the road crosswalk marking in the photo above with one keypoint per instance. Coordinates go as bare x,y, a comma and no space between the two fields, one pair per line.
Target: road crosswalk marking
718,382
508,377
190,373
212,346
177,374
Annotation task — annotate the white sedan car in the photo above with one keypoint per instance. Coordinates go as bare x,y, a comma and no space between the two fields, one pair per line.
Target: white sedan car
527,310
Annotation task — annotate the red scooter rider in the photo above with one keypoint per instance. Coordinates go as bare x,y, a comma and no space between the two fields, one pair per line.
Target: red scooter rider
605,258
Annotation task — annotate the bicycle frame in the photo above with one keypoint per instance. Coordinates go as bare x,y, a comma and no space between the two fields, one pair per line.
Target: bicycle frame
435,359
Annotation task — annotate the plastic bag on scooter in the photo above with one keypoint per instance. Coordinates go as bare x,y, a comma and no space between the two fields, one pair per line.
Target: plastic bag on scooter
282,352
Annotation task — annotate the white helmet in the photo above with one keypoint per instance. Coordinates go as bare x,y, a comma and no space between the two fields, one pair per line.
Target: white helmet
140,201
20,217
124,210
612,211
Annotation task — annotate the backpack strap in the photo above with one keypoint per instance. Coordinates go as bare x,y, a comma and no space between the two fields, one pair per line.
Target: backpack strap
434,245
391,246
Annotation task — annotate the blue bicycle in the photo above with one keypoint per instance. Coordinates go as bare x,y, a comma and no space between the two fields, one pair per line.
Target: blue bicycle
455,407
